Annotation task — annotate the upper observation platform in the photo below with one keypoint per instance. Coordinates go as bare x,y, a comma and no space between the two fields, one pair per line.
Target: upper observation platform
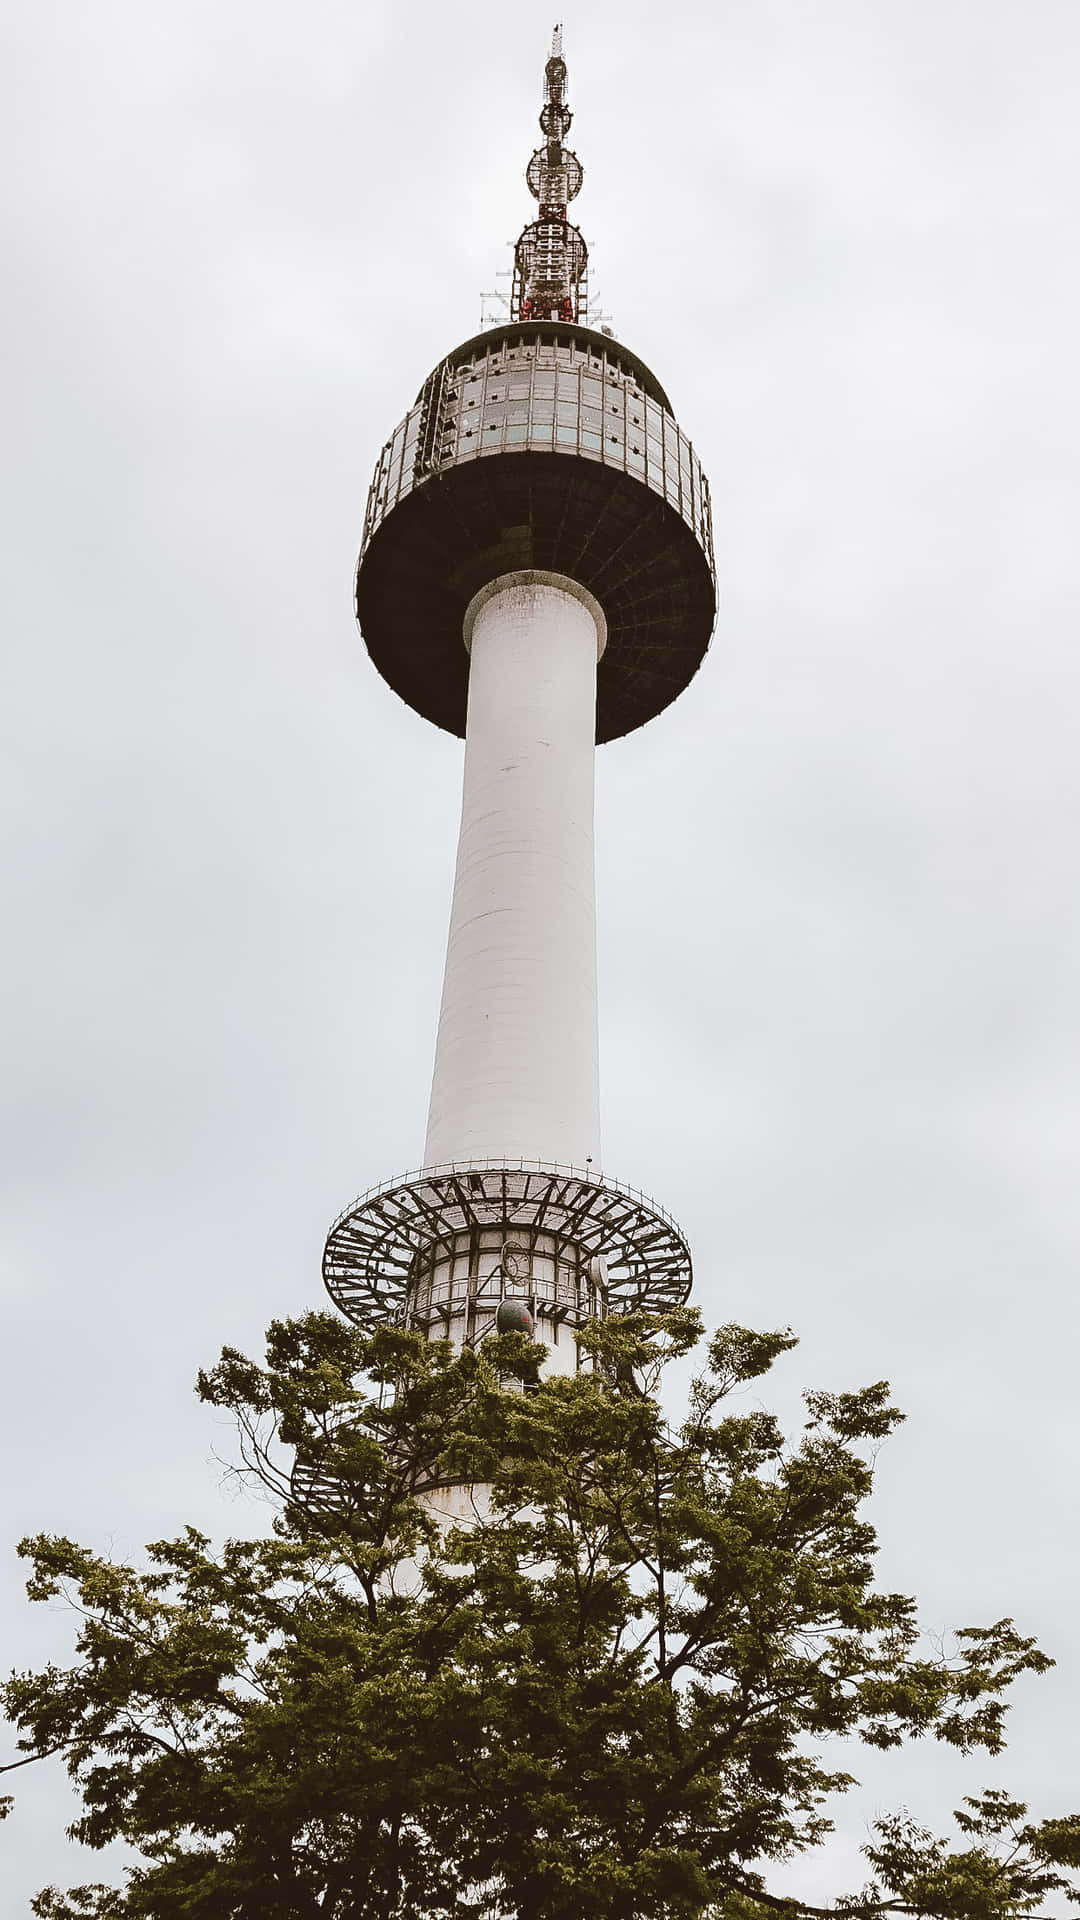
540,444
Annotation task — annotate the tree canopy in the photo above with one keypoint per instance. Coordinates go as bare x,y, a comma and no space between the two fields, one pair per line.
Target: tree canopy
612,1694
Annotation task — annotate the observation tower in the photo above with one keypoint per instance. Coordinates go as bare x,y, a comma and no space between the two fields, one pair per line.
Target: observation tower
535,576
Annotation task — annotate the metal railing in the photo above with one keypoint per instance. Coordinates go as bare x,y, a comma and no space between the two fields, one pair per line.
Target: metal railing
562,1170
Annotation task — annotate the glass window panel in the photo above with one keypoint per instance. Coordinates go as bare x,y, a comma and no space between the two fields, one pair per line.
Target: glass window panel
593,440
568,415
540,429
520,383
518,410
568,383
591,390
544,383
592,418
517,431
568,435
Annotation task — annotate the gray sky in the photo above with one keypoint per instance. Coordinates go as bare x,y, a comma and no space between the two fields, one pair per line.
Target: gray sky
839,952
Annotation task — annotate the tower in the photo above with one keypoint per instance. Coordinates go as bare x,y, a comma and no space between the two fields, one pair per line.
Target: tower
536,576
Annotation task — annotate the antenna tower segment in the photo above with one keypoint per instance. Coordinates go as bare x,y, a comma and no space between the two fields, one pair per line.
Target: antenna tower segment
551,260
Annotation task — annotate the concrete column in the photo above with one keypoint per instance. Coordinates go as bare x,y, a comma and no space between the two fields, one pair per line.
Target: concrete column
516,1068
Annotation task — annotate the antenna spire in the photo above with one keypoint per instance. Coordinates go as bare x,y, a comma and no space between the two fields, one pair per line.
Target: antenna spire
551,258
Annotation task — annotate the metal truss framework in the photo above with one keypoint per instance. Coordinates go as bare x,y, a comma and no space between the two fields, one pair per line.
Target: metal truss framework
380,1247
551,258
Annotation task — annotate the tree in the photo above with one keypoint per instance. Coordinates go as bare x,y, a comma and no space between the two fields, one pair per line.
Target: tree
607,1697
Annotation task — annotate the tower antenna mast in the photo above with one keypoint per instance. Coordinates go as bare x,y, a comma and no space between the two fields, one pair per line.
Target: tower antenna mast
551,259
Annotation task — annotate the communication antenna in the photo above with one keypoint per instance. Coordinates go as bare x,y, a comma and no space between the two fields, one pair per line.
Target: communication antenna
551,259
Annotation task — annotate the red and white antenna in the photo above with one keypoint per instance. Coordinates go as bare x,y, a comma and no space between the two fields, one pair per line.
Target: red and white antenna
551,259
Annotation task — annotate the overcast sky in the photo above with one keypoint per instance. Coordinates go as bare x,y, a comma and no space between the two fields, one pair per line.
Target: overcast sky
839,945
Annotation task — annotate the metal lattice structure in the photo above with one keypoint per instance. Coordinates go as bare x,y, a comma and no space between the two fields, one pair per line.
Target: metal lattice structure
551,259
444,1240
440,1251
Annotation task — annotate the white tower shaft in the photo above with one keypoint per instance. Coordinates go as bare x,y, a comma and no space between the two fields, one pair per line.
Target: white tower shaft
516,1062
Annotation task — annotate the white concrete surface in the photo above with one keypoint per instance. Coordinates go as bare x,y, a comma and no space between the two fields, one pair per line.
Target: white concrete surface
516,1061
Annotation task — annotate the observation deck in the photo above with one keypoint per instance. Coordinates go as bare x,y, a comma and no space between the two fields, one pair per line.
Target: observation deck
539,445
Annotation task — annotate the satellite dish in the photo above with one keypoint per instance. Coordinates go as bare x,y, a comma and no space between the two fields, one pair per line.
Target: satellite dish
514,1260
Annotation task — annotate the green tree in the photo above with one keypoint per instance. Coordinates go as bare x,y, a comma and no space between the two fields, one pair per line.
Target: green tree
610,1697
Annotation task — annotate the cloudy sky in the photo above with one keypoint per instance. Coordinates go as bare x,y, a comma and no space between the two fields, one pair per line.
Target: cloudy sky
838,892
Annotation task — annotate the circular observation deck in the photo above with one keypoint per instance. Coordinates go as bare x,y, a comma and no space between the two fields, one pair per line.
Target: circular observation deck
446,1244
539,445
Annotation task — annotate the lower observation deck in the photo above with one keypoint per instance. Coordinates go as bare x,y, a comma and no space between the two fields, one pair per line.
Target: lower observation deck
447,1242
